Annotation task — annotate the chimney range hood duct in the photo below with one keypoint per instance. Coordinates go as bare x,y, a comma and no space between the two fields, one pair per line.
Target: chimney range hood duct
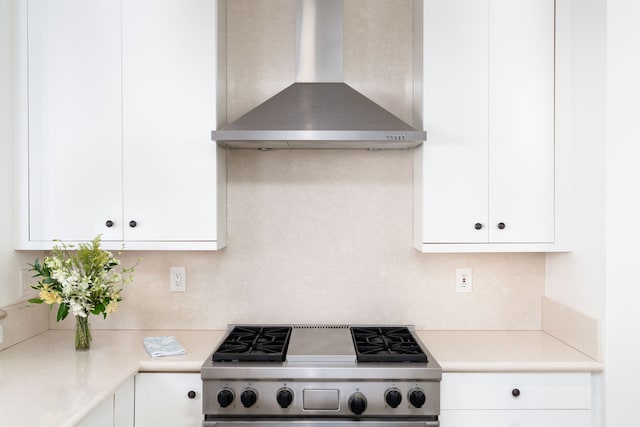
319,110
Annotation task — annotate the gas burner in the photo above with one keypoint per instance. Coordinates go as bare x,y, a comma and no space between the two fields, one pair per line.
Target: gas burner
322,380
254,344
386,344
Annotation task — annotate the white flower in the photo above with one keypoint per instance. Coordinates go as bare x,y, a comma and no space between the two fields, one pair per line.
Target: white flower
83,283
53,263
77,309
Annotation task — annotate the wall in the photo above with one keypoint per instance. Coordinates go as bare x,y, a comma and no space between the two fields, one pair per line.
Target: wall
577,279
623,211
325,236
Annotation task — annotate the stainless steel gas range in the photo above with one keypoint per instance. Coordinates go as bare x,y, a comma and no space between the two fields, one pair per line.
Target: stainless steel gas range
326,375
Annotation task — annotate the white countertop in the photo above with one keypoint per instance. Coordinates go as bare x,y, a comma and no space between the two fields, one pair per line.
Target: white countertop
504,351
44,381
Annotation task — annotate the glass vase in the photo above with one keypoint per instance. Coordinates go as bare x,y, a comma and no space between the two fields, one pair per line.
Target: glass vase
83,334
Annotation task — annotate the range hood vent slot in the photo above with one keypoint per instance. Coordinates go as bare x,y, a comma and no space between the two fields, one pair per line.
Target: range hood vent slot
319,110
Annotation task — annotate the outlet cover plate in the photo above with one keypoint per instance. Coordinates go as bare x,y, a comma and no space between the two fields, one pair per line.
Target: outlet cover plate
464,280
177,279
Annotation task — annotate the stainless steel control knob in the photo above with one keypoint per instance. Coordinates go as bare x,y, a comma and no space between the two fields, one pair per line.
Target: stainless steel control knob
225,397
249,397
393,397
357,403
284,397
417,397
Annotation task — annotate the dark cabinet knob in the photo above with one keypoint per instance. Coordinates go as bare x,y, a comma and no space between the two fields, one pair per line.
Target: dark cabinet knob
417,398
393,398
501,225
248,398
132,224
515,392
225,397
109,223
357,403
191,394
284,397
478,226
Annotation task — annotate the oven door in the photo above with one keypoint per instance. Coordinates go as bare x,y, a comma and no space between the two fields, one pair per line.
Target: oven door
320,423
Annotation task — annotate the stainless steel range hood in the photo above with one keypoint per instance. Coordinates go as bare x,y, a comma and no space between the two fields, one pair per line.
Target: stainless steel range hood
319,110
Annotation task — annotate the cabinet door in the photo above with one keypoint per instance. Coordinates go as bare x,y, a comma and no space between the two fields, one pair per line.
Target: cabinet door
455,188
521,120
163,400
100,416
74,107
114,411
169,110
124,404
488,108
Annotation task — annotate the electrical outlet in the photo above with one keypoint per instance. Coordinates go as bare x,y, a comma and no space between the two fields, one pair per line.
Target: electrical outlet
464,280
177,279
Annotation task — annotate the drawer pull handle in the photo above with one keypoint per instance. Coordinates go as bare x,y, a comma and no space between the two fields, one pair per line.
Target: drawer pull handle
515,392
191,394
478,226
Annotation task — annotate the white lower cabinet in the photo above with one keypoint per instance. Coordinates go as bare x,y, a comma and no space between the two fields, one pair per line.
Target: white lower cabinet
114,411
524,418
168,399
516,400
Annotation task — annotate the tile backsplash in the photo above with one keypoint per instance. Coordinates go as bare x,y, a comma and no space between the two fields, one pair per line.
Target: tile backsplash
22,321
325,237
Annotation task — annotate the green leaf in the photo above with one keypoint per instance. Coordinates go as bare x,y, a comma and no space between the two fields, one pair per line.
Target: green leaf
99,308
62,312
36,301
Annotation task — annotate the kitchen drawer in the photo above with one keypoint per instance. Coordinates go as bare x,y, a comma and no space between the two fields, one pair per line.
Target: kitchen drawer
534,391
524,418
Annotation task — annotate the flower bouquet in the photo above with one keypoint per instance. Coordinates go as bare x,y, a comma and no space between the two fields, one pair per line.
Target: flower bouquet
83,281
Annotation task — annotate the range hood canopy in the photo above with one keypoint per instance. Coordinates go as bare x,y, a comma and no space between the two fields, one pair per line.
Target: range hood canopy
319,110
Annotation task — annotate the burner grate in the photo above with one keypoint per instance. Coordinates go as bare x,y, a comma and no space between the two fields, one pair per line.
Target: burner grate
254,344
386,344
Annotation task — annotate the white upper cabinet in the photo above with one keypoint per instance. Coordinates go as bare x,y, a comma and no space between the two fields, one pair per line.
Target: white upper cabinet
75,119
173,171
121,103
521,121
485,177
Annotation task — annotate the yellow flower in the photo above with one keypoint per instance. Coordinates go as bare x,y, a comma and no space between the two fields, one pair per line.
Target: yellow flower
50,297
111,307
